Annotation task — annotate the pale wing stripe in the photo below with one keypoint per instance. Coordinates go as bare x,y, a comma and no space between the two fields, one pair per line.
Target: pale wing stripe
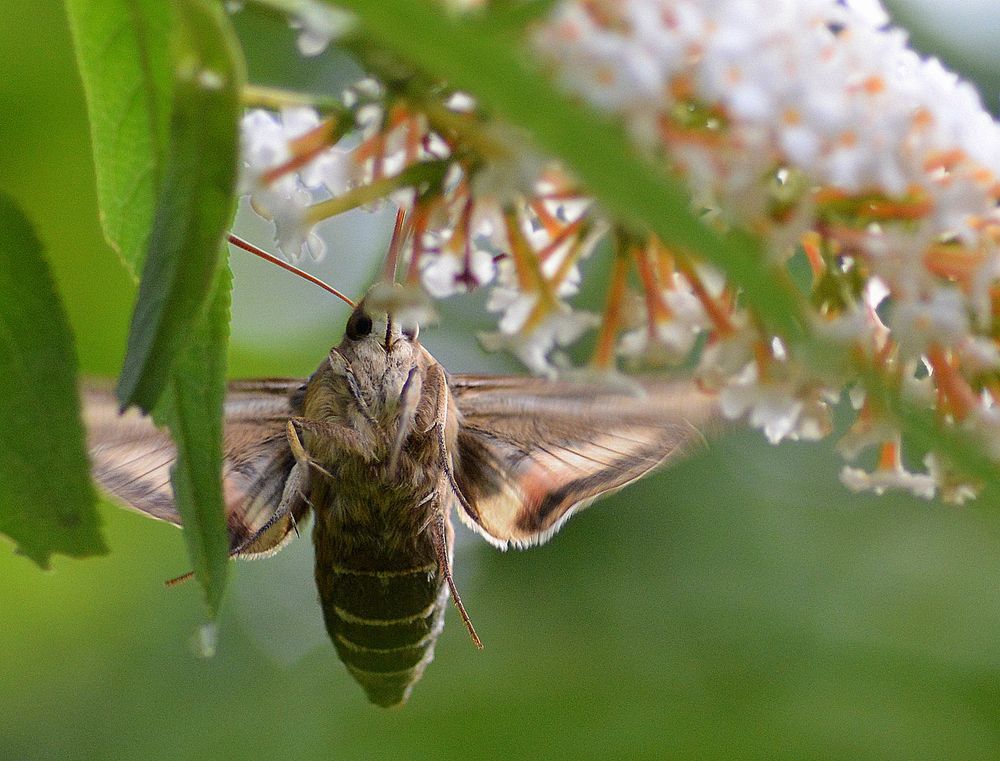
131,458
101,453
540,451
577,454
512,442
146,474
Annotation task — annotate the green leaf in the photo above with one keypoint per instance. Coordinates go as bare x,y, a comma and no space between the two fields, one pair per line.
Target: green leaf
192,408
195,201
46,499
598,152
163,82
122,48
515,15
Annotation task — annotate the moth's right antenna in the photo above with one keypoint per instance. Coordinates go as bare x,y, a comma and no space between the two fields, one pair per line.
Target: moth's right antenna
247,246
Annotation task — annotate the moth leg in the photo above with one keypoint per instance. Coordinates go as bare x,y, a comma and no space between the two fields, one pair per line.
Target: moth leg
445,483
444,561
340,366
294,489
334,433
299,451
409,398
438,378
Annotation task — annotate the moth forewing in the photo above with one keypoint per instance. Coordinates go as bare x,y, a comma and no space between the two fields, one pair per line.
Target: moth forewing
131,460
533,452
380,444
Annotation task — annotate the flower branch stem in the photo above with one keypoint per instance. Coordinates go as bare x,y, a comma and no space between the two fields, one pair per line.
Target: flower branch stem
275,99
430,172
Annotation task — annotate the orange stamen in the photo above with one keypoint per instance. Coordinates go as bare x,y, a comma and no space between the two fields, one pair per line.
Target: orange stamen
529,276
604,352
664,261
955,390
418,226
874,84
561,237
762,353
304,149
671,132
395,245
889,457
944,159
656,309
950,260
717,313
552,225
414,138
372,149
811,243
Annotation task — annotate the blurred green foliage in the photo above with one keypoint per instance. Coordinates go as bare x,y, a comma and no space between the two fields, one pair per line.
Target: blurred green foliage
45,486
741,605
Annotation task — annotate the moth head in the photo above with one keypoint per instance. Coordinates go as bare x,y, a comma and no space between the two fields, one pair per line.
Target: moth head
387,320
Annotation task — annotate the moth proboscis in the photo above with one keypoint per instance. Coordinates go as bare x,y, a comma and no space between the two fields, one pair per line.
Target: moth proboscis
380,444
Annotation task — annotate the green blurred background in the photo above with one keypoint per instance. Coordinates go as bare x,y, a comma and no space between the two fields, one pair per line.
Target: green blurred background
741,605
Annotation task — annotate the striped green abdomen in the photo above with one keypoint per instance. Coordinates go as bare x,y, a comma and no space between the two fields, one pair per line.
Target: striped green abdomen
383,623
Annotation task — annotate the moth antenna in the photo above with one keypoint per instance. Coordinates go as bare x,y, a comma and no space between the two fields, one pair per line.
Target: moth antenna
395,246
247,246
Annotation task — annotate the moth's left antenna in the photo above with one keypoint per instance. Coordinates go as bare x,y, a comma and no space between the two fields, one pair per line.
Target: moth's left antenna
247,246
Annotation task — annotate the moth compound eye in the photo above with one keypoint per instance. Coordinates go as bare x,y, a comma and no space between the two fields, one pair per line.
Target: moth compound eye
359,326
411,330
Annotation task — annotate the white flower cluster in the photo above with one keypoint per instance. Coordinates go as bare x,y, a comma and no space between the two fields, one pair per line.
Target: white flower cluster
896,164
267,140
822,85
492,223
809,122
